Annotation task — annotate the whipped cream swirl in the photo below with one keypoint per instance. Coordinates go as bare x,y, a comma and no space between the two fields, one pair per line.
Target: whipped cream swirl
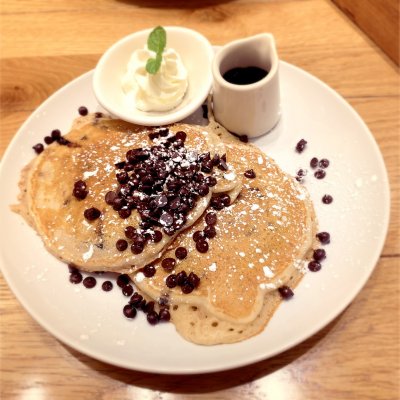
162,91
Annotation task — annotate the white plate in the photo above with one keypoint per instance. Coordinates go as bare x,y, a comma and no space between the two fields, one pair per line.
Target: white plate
91,321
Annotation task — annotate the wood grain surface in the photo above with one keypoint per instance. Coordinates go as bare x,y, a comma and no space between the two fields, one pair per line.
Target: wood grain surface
45,44
378,19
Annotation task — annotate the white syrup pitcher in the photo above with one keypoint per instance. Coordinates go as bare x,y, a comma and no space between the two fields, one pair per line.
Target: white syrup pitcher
250,109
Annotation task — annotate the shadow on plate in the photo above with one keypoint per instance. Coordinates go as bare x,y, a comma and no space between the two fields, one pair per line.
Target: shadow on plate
209,382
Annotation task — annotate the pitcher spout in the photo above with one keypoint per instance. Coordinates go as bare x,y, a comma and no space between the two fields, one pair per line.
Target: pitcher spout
258,50
261,39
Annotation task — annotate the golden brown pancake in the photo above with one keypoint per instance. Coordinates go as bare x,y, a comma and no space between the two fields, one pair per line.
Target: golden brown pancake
262,241
198,325
96,145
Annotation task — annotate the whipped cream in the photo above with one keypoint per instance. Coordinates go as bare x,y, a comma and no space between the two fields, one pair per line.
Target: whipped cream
162,91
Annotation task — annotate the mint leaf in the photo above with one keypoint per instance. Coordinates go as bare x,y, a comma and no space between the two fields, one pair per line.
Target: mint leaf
157,40
153,64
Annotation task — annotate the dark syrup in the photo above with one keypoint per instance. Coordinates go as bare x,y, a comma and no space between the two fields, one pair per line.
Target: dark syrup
245,75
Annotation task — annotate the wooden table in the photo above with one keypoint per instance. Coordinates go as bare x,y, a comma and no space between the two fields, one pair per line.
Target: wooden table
45,44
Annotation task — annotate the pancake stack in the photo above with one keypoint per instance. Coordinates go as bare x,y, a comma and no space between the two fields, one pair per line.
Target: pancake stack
178,184
95,158
261,243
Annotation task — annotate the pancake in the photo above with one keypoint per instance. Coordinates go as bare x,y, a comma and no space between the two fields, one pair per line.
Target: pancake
196,324
93,147
262,242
